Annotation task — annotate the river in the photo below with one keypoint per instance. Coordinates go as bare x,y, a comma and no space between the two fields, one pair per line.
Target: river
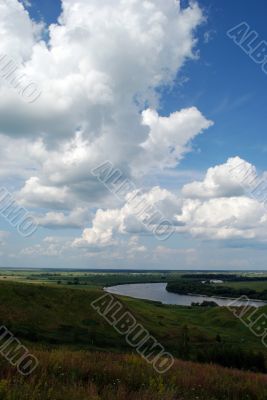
158,292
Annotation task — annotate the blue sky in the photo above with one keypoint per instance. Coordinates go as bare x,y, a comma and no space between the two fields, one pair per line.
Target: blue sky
221,82
229,87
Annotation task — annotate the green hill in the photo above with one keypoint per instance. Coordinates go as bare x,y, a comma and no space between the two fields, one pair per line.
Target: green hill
58,315
82,357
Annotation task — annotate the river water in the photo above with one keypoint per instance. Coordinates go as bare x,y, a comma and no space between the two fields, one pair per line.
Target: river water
158,292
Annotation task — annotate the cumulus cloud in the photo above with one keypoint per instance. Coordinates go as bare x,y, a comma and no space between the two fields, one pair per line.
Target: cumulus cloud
225,180
18,31
75,219
104,223
224,218
20,163
216,208
98,71
137,216
170,137
36,194
222,206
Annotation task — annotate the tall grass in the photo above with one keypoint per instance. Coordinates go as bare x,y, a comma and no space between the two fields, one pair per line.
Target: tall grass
79,375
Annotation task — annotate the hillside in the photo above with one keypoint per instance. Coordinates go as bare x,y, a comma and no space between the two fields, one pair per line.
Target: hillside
82,357
61,316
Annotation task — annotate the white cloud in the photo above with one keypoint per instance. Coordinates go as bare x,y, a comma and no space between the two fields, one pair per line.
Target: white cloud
132,217
35,194
99,71
77,218
51,246
104,223
220,207
18,31
21,163
224,218
170,137
215,209
220,181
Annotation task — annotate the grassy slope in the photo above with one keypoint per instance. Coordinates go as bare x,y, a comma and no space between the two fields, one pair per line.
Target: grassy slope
62,315
44,317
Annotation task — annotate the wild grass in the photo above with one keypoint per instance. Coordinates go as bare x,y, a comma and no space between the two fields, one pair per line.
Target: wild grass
79,375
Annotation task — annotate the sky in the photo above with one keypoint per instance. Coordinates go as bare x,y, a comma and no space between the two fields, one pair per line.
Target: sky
158,97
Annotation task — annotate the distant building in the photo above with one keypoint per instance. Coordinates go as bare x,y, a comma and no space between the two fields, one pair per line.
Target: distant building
213,281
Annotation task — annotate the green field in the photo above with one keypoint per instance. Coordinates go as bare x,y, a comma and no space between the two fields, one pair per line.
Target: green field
258,286
84,279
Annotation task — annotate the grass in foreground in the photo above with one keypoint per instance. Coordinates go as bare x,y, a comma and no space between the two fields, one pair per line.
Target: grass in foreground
68,375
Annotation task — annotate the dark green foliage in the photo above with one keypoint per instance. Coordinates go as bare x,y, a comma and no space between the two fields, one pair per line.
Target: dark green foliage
187,286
